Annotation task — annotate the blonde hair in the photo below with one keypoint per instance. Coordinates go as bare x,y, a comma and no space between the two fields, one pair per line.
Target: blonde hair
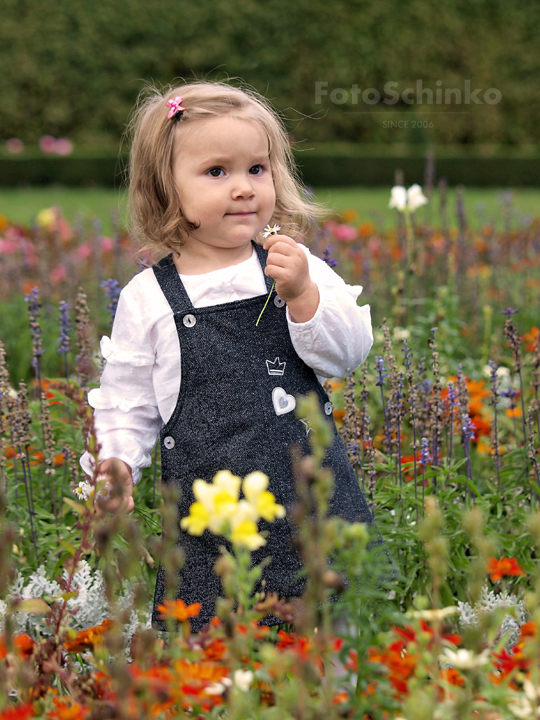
156,217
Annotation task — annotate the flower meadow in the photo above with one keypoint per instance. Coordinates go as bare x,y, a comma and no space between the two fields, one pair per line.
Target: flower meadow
441,424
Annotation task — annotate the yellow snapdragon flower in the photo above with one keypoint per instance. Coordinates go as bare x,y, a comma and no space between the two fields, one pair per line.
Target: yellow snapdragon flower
219,509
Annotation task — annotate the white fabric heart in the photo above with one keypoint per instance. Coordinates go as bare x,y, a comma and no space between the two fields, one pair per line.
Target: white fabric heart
283,403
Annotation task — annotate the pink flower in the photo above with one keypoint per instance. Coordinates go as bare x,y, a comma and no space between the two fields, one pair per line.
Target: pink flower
58,274
107,244
63,147
14,146
47,144
7,246
84,251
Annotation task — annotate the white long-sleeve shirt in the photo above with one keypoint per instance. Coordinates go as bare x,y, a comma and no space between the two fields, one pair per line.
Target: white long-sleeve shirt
142,375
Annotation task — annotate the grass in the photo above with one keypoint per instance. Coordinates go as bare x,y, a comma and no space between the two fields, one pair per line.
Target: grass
481,205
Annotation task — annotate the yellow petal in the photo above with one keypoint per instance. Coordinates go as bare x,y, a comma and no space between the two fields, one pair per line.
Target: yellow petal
197,520
225,480
254,484
245,533
268,508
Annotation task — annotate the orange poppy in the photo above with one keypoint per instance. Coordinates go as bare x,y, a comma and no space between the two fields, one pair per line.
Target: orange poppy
67,709
503,567
513,412
530,338
89,638
178,610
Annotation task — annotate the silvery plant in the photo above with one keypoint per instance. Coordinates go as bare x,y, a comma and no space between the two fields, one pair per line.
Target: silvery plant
490,602
89,603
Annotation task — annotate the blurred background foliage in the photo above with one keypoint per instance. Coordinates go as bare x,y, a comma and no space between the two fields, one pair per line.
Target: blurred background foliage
75,69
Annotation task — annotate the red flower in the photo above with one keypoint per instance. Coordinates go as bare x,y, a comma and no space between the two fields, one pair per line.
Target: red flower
505,566
18,712
508,662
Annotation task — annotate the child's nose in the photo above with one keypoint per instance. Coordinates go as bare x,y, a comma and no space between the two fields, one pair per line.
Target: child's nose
243,187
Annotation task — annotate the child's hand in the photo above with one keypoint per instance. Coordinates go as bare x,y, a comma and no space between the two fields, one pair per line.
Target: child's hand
288,265
119,487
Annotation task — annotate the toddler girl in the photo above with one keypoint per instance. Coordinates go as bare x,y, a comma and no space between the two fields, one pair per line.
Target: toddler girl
191,356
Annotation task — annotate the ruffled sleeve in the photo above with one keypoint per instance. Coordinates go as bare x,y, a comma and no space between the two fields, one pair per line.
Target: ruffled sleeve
126,414
339,336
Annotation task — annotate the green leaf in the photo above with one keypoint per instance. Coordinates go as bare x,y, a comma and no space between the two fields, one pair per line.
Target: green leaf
34,606
69,547
75,506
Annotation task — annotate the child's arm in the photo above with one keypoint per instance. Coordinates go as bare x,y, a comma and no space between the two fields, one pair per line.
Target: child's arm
126,414
338,336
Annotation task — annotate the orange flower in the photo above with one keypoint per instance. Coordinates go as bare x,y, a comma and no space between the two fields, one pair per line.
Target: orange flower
505,566
215,650
18,712
24,645
178,610
66,709
451,675
481,426
528,629
88,639
399,662
366,229
530,338
340,698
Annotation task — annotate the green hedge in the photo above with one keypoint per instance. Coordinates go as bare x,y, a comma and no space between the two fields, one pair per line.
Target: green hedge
318,169
74,69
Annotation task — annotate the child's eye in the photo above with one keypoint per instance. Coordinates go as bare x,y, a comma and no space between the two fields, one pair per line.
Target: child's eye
214,172
256,169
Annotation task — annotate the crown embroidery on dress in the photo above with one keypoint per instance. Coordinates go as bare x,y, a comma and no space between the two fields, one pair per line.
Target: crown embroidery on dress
276,367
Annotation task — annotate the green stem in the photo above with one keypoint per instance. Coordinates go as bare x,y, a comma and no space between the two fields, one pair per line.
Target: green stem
266,303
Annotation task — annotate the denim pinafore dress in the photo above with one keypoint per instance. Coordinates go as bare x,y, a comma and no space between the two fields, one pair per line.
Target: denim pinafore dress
235,411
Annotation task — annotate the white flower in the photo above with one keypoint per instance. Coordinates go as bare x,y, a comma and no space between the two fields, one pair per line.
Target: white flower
84,490
271,230
465,659
243,679
401,334
398,199
528,706
430,615
500,371
407,200
218,688
415,197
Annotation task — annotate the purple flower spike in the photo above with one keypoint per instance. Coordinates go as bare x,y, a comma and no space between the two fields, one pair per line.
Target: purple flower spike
327,257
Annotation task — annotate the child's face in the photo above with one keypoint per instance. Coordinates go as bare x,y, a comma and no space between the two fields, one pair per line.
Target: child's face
222,170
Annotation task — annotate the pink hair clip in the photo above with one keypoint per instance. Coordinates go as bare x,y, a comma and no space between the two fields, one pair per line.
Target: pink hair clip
176,107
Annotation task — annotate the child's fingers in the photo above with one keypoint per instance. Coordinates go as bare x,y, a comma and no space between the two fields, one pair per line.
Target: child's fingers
273,239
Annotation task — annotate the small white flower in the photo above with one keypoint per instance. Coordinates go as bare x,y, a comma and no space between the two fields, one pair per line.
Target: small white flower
465,659
415,197
271,230
500,371
218,688
398,199
243,679
431,615
407,200
84,490
401,333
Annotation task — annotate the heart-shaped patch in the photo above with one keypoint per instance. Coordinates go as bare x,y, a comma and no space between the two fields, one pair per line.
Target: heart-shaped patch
283,403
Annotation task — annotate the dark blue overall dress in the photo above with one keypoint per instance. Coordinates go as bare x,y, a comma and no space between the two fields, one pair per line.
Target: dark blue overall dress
235,411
